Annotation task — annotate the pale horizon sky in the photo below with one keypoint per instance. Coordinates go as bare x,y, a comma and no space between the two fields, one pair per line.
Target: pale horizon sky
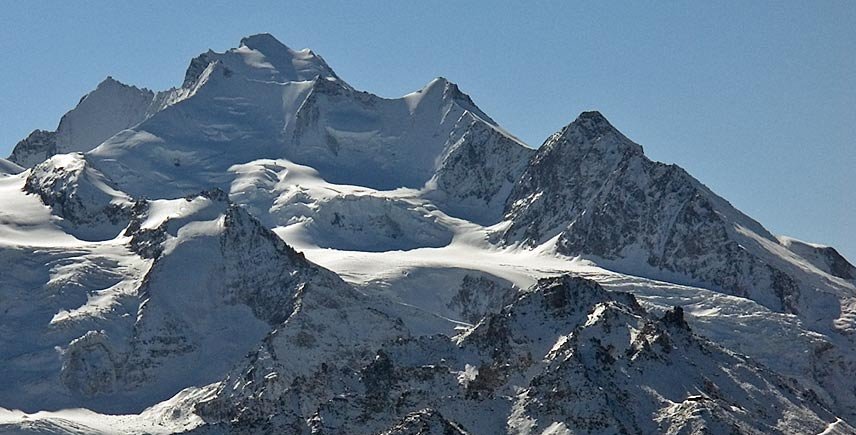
757,100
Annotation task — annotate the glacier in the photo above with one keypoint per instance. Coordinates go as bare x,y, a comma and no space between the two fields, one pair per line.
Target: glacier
266,249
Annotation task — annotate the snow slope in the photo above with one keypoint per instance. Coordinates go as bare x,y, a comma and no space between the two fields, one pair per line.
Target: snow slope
267,249
9,168
110,108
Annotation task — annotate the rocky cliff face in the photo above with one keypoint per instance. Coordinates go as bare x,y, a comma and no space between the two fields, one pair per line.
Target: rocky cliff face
34,149
567,356
592,192
477,171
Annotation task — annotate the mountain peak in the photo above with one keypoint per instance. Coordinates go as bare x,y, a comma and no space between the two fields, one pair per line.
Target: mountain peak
263,57
593,116
438,84
110,82
593,122
592,130
265,43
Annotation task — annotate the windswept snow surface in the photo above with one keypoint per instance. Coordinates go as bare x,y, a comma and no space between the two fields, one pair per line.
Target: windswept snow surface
267,249
9,168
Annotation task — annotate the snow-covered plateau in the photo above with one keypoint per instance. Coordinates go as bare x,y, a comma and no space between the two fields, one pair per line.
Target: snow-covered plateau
266,249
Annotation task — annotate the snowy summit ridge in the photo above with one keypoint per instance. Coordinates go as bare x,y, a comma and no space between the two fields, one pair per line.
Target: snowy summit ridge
266,249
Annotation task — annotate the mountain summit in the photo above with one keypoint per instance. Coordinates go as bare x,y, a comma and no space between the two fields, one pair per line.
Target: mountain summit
263,57
590,191
266,249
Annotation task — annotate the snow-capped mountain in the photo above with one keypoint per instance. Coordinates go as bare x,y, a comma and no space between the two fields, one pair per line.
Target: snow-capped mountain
591,191
566,354
260,100
266,249
110,108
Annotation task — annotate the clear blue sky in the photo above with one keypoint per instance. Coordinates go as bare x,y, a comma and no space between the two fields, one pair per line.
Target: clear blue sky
756,99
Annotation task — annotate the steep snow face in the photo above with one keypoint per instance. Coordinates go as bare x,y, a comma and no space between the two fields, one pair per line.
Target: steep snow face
190,145
110,108
354,137
262,57
25,220
477,171
557,360
825,258
9,168
52,298
595,192
265,100
110,330
231,116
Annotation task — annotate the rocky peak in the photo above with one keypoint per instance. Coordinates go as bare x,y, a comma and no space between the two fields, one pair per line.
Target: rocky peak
593,193
328,86
110,82
425,422
477,171
572,168
452,92
111,107
240,228
35,148
265,43
197,66
591,131
81,195
675,318
551,308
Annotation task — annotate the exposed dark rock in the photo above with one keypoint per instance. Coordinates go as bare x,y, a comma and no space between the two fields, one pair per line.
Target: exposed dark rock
34,149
